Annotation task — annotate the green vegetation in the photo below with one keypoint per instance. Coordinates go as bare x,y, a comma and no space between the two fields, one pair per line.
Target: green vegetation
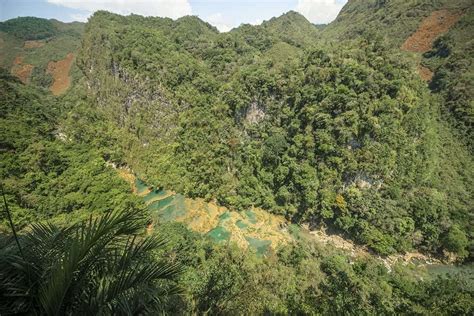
305,279
344,134
451,58
47,47
395,20
99,266
328,126
44,173
29,28
41,78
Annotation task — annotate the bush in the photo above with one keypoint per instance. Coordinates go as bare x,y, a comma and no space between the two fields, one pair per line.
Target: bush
456,241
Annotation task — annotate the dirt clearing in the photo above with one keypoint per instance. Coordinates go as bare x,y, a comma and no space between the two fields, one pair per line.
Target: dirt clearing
425,73
20,70
18,60
33,44
60,72
430,29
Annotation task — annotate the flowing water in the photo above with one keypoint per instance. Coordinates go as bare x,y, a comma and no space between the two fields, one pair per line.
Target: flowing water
253,228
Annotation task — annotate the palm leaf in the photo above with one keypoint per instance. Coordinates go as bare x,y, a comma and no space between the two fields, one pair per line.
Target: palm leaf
97,266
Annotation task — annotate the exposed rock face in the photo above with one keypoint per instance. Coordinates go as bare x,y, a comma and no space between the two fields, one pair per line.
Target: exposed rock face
254,114
363,181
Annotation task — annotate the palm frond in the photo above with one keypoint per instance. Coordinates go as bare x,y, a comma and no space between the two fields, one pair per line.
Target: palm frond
132,272
101,265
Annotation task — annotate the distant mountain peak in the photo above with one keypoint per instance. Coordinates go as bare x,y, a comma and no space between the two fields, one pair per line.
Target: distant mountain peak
291,16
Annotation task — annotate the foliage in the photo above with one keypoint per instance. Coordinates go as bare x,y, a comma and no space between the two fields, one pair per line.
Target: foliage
99,266
234,122
44,174
326,126
65,39
29,28
304,278
41,78
456,241
451,58
396,20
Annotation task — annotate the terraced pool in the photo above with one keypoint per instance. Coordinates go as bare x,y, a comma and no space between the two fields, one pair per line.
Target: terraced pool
252,228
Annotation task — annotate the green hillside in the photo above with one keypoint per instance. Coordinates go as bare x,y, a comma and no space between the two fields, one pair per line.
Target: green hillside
449,58
289,168
30,46
45,174
344,135
395,20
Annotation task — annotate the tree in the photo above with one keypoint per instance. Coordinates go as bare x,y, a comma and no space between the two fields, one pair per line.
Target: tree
97,266
456,241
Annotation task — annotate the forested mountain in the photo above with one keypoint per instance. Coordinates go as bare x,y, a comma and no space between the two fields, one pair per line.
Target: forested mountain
395,20
440,38
344,134
41,52
363,128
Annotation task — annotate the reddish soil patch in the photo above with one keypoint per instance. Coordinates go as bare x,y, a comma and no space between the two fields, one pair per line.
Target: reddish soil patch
431,28
20,70
33,44
18,60
425,73
23,72
60,72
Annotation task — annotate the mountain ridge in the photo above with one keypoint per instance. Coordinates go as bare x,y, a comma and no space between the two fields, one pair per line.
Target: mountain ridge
130,72
237,140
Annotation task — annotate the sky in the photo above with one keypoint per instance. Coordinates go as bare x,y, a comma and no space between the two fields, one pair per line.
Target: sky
224,14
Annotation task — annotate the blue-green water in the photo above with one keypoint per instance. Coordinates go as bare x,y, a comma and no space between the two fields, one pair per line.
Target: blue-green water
224,217
251,216
161,204
168,207
155,195
140,186
219,234
241,225
261,246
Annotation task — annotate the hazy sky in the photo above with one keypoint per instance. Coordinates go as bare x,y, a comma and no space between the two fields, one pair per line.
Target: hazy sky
224,14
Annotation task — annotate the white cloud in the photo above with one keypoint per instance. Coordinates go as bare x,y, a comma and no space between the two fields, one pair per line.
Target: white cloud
320,11
163,8
225,25
80,17
257,22
218,20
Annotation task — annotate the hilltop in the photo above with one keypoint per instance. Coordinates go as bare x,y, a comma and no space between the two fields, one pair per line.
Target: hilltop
41,52
311,112
289,168
438,33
